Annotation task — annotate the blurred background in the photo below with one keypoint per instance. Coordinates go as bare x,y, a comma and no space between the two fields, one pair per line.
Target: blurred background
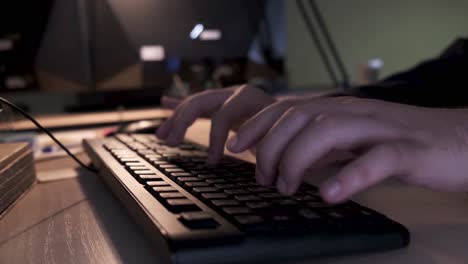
83,55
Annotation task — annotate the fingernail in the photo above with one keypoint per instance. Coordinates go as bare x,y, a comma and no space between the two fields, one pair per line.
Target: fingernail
282,186
232,142
259,176
333,189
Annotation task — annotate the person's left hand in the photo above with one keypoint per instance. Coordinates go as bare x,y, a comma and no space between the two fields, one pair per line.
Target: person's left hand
422,146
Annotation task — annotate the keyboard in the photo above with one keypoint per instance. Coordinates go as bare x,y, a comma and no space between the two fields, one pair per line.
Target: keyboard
199,214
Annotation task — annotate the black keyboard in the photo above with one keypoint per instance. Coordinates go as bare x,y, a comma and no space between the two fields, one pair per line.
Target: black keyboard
216,214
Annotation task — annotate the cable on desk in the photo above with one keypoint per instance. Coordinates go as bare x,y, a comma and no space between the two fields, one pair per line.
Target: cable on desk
19,110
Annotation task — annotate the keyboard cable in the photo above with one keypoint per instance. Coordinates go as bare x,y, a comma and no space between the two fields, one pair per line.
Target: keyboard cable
90,168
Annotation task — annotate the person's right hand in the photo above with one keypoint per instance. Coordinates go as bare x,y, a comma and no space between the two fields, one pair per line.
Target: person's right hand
226,107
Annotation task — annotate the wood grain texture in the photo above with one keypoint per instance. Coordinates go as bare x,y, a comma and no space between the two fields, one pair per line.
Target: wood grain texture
79,221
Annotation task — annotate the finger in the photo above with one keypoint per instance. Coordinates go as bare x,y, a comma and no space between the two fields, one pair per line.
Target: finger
244,102
324,134
170,102
205,99
271,146
203,104
163,131
256,127
379,163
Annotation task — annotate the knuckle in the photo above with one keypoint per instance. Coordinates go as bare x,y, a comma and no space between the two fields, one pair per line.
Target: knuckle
361,171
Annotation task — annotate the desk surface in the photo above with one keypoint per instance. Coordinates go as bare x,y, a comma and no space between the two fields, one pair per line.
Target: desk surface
79,221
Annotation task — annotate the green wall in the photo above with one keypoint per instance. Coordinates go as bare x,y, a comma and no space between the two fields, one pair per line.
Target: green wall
401,32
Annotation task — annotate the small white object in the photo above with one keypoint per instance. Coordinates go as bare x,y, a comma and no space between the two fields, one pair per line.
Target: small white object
152,53
6,44
16,82
211,35
197,31
375,64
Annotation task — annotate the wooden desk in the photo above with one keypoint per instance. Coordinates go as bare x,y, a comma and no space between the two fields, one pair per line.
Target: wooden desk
79,221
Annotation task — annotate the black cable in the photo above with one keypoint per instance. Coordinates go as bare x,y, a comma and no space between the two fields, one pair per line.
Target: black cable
19,110
331,44
316,39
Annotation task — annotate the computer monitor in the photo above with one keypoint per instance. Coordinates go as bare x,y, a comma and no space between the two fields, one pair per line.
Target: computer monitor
92,48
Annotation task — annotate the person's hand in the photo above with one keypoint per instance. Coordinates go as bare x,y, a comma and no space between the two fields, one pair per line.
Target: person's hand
422,146
226,107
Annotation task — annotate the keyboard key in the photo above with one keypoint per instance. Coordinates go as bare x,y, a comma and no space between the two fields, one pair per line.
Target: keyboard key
259,189
270,195
246,198
239,180
181,174
141,167
207,176
309,214
157,183
155,159
225,185
305,198
196,184
172,195
205,189
286,202
131,164
174,170
149,154
224,203
236,210
283,217
319,204
125,156
188,179
164,189
247,184
143,172
258,205
157,163
211,196
181,205
168,155
168,166
216,181
236,191
124,160
336,214
249,219
198,220
150,177
199,172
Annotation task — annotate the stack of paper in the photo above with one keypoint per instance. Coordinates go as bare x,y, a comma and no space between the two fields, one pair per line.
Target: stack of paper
17,172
